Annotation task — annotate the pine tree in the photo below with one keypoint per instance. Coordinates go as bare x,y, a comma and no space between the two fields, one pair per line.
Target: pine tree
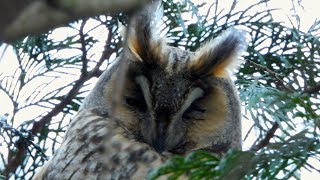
279,86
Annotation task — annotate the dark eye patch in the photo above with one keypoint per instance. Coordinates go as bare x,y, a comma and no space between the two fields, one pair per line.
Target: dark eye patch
195,111
137,103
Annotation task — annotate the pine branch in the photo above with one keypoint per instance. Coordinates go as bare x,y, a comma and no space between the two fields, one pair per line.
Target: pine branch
19,155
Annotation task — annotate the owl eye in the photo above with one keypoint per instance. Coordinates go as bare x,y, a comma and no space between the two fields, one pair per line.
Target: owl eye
136,103
195,107
190,108
194,111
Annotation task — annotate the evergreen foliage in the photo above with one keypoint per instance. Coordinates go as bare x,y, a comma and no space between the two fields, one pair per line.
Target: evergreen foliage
279,87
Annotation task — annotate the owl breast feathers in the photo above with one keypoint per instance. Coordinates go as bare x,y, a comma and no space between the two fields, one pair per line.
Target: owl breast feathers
168,100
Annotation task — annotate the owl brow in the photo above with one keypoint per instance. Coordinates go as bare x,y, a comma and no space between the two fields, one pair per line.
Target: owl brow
192,96
144,85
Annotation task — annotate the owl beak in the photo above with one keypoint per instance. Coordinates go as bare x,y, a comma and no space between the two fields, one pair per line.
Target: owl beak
159,143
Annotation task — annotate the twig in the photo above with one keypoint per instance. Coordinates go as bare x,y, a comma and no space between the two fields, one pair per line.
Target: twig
4,51
247,135
84,60
38,125
265,141
272,73
309,90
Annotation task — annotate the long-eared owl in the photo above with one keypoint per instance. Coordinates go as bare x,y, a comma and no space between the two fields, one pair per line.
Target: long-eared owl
167,100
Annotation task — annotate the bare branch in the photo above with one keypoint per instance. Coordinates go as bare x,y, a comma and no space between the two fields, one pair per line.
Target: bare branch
37,16
272,73
84,60
265,141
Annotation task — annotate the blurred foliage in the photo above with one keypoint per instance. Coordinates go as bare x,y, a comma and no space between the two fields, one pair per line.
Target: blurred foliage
279,87
203,165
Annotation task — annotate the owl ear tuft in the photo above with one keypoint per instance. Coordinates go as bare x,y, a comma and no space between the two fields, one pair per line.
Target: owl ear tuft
220,55
143,33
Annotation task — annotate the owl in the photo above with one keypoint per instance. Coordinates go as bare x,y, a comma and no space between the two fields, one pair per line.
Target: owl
155,101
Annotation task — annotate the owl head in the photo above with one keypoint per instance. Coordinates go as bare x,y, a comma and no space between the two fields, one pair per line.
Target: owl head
172,99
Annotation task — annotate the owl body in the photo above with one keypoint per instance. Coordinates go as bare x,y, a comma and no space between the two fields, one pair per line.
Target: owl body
155,100
92,150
